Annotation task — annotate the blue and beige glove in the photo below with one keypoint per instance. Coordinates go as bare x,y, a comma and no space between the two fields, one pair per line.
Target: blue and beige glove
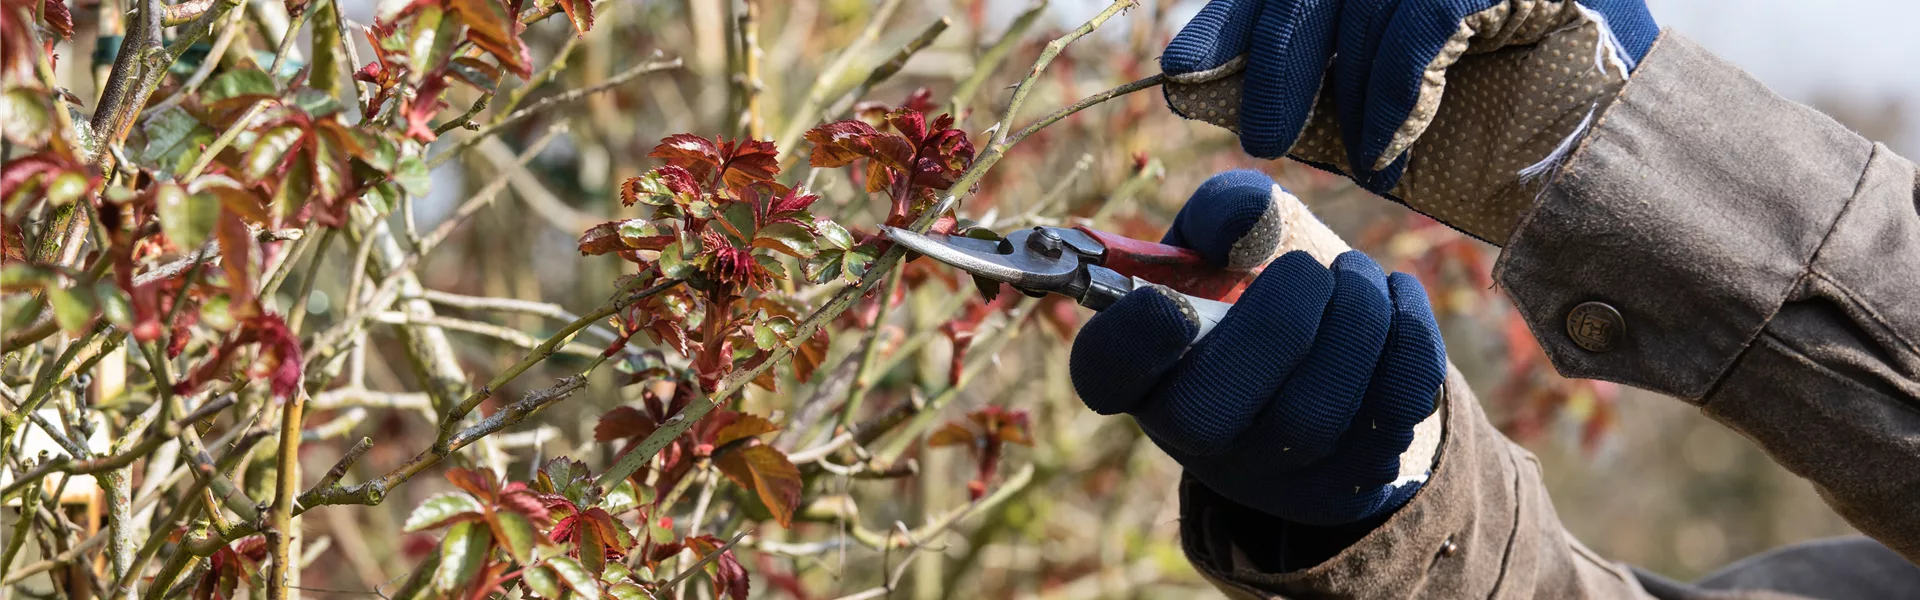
1456,108
1302,400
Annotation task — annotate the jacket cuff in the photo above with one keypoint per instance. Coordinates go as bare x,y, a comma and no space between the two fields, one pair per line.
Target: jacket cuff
1659,251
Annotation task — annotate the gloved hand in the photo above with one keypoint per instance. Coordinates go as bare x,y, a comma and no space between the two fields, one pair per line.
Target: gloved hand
1356,87
1301,401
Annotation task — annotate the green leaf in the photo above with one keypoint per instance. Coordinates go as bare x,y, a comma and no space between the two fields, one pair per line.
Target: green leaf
238,83
823,267
461,555
72,308
516,534
114,305
270,151
575,576
66,187
20,276
174,139
593,551
832,234
475,72
659,534
624,497
315,102
411,173
773,331
854,265
673,262
217,313
653,190
543,581
187,219
615,573
383,198
440,510
787,238
25,117
627,591
739,222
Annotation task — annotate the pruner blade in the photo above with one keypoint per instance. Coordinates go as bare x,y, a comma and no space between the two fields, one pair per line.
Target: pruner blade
1040,260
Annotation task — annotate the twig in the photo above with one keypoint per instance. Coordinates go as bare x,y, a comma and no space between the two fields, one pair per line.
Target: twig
1121,90
746,81
29,504
227,32
540,78
551,102
710,557
512,305
829,77
863,373
226,137
280,58
351,397
528,187
888,69
389,287
990,60
505,334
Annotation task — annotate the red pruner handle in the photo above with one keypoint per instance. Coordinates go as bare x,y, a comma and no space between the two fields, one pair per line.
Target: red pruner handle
1179,268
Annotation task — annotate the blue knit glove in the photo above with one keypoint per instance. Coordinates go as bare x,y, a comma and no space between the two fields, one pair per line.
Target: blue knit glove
1353,85
1300,402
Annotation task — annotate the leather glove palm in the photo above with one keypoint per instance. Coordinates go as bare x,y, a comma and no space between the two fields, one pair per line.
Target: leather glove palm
1356,87
1301,401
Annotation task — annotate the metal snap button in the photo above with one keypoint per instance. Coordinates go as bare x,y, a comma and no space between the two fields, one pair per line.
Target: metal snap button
1596,326
1448,548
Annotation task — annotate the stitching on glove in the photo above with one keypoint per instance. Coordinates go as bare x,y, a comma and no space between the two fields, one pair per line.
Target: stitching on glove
1225,69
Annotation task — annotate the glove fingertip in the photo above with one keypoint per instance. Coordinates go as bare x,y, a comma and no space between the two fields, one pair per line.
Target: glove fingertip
1416,352
1121,353
1217,34
1230,220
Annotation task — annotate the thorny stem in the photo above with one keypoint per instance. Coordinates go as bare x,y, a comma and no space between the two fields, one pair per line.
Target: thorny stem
286,477
844,299
746,80
551,102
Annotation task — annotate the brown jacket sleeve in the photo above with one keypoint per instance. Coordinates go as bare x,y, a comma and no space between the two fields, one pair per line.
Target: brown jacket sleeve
1763,263
1481,527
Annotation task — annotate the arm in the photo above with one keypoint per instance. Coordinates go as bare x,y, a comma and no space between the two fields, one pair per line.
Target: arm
1765,264
1259,524
1482,524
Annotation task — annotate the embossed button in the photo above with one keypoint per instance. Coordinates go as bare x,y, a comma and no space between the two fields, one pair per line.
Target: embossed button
1596,326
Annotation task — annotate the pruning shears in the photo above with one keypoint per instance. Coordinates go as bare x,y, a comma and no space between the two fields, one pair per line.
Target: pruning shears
1093,267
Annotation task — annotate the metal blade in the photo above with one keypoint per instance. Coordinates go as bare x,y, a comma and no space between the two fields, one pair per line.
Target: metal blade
1007,261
